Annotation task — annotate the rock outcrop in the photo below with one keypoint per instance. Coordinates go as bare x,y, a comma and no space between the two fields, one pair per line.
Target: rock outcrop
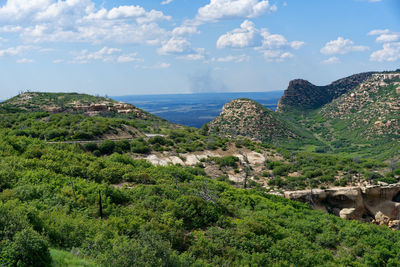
377,204
245,117
303,95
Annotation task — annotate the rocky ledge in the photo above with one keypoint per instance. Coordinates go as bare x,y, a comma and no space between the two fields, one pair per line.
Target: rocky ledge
376,204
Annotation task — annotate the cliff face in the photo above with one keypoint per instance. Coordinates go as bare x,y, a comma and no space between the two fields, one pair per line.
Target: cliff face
377,204
303,95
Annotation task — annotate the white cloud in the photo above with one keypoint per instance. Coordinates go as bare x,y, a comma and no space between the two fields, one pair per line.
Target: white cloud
390,52
341,46
80,21
184,29
25,60
297,45
228,9
231,58
166,2
331,60
176,45
58,61
16,51
274,47
159,65
196,54
11,28
245,36
379,32
105,54
385,36
193,56
129,58
276,55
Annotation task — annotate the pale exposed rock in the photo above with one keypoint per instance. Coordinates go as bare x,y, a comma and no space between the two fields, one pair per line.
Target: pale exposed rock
255,158
176,160
348,214
378,203
153,159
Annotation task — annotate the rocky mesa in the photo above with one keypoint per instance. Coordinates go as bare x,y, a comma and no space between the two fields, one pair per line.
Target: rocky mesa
303,95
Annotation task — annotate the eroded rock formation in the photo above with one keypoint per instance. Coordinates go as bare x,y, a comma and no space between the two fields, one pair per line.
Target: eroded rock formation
377,204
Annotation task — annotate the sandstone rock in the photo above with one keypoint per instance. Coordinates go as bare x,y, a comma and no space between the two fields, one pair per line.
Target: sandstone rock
379,203
348,214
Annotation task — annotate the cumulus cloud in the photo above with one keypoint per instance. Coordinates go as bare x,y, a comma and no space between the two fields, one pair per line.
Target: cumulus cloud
228,9
159,65
25,60
245,36
385,36
235,59
105,54
341,46
81,21
274,47
196,54
166,2
129,58
176,46
331,60
185,29
389,52
391,47
379,32
16,51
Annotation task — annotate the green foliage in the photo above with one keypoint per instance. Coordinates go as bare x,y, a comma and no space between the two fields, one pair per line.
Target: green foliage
65,259
167,215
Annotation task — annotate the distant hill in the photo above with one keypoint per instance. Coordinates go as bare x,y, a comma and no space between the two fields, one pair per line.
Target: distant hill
73,116
70,102
245,117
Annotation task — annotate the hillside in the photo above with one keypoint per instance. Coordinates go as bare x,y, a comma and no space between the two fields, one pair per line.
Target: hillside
72,116
163,216
364,120
185,197
70,102
245,117
302,95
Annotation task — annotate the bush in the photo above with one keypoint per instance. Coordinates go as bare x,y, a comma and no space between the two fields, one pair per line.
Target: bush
107,147
91,147
140,146
27,249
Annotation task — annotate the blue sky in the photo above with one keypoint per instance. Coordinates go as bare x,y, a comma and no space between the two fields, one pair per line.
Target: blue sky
185,46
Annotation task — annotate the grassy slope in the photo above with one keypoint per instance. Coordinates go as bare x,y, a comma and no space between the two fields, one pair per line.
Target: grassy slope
169,215
66,259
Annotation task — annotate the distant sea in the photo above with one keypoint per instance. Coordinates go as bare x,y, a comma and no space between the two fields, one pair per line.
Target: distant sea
195,109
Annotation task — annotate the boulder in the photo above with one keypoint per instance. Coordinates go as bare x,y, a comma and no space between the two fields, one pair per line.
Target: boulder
348,214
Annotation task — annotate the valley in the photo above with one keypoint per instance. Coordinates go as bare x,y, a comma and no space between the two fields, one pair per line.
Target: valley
90,178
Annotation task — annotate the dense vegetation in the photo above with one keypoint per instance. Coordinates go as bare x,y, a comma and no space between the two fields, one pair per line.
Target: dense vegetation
93,204
167,216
